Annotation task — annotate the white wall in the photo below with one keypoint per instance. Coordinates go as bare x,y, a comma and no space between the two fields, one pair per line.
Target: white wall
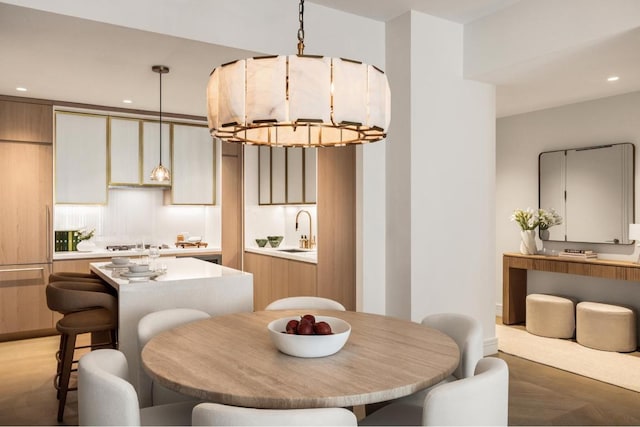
520,139
441,178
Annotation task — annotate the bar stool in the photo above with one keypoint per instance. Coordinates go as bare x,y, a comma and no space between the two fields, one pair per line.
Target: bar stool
68,276
85,309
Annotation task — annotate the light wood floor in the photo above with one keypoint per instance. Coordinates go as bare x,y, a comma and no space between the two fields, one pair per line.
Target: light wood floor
538,394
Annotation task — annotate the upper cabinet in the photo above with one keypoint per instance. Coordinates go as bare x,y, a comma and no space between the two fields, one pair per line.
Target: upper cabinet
151,151
287,176
124,151
194,159
134,150
95,151
25,122
80,158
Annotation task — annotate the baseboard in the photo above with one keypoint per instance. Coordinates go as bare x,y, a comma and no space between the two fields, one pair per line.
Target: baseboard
490,346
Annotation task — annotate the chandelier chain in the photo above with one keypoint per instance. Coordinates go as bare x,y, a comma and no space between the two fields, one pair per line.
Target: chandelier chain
301,28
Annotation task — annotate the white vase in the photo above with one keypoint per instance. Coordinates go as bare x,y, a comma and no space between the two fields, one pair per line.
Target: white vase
85,246
528,242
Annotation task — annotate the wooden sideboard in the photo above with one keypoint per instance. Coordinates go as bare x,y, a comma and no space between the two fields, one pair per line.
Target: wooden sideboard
514,277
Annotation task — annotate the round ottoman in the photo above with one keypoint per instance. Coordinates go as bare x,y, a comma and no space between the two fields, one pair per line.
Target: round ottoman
550,316
606,327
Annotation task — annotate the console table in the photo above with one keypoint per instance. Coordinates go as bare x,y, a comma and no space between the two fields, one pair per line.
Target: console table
514,277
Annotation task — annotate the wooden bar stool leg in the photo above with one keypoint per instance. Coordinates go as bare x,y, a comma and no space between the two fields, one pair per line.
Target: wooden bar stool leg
65,375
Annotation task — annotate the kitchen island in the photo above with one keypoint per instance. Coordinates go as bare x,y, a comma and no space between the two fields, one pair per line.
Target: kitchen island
187,283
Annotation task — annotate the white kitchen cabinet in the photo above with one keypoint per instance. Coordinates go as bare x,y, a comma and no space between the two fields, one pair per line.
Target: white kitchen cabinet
278,176
264,175
287,176
124,151
310,174
151,151
81,158
193,160
295,170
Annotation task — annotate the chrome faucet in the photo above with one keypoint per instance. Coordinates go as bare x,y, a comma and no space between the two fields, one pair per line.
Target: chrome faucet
310,241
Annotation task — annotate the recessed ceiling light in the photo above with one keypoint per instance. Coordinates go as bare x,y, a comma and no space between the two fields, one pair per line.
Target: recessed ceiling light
613,79
127,101
21,89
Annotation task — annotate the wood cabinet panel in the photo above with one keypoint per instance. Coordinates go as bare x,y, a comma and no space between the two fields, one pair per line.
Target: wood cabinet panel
302,279
231,206
275,278
76,265
25,121
260,267
279,278
26,199
337,225
23,301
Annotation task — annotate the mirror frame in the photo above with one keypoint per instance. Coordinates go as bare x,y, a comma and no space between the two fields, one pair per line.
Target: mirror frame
628,193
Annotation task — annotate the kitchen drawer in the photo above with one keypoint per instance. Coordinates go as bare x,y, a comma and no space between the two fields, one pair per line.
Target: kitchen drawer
23,301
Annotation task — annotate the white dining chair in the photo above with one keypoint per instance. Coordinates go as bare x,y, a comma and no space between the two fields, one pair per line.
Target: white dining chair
466,331
151,393
318,303
482,399
105,397
214,414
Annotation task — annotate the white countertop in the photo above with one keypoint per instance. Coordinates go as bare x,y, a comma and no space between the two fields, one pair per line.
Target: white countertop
310,256
103,253
178,270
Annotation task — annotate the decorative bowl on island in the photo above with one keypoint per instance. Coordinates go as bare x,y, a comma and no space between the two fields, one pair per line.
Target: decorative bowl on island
274,241
309,345
122,260
261,242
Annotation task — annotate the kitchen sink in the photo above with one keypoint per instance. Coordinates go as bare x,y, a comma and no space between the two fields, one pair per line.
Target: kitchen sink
293,251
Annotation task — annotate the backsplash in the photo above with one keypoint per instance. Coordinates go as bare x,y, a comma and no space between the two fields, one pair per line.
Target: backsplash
271,220
132,214
263,221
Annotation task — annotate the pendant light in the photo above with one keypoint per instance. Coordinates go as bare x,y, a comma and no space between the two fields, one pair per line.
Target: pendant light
298,100
160,173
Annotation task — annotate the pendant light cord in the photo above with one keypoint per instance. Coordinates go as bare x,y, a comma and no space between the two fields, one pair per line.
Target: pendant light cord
160,126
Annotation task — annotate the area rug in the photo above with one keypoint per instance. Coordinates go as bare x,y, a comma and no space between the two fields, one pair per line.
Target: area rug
619,369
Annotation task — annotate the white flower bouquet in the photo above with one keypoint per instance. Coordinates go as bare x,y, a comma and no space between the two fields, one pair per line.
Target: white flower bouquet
529,219
548,218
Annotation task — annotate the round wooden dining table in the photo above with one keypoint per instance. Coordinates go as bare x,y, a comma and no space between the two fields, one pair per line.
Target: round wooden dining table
231,360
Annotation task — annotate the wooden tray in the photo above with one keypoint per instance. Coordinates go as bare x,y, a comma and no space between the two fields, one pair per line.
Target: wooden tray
191,245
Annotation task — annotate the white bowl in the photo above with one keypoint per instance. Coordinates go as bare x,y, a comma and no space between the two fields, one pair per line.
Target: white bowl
309,345
139,268
194,239
120,260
